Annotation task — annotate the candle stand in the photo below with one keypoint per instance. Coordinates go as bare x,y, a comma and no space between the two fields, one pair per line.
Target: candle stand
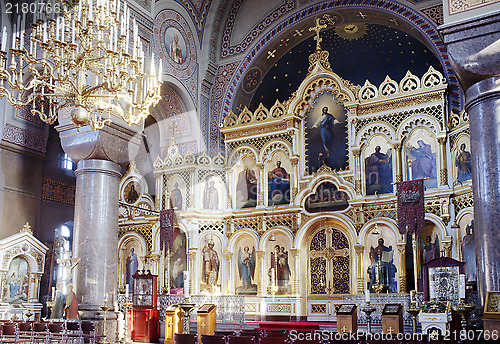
368,309
413,310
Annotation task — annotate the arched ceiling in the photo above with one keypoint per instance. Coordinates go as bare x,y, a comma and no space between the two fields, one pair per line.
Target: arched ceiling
363,44
358,52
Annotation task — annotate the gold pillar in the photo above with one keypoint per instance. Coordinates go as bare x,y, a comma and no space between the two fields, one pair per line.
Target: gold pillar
444,169
357,164
229,271
261,282
121,273
296,270
294,186
360,271
191,267
447,246
399,162
228,190
402,267
155,268
260,185
159,190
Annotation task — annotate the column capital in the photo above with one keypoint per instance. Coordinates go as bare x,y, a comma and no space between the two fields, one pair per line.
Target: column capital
359,249
397,145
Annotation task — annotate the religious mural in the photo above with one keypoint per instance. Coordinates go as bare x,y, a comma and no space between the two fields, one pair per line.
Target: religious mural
174,40
462,165
178,262
132,192
378,166
467,246
380,259
177,189
421,157
278,272
327,198
212,189
326,134
16,283
131,252
246,281
246,183
211,253
278,179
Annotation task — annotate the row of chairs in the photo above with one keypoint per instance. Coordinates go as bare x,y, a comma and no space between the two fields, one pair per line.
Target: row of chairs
48,332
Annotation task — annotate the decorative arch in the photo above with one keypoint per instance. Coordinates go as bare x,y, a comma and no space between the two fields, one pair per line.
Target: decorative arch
371,129
271,147
318,82
389,223
242,151
438,222
321,178
424,121
268,234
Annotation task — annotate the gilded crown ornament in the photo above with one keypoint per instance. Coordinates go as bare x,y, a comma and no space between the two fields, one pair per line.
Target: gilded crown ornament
89,59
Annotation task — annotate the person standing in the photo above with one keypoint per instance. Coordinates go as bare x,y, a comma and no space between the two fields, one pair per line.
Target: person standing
71,305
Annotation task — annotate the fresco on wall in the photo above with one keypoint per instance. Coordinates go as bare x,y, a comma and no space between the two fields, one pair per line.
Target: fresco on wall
429,244
246,183
177,192
176,46
467,246
212,189
421,157
326,198
380,259
211,253
326,134
132,192
462,166
278,263
246,277
278,179
378,166
178,262
131,252
16,283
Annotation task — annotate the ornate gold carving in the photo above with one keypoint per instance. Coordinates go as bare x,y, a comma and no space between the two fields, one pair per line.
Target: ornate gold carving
357,186
27,229
394,104
399,178
245,132
443,174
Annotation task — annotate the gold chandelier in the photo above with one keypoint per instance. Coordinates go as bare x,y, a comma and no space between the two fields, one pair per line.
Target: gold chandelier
86,57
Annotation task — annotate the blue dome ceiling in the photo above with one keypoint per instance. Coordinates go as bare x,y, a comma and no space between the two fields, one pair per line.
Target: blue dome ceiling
357,52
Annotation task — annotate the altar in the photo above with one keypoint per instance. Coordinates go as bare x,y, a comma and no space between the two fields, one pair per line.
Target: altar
22,262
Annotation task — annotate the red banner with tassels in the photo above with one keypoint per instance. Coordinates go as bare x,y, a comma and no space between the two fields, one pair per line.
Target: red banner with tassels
166,229
411,209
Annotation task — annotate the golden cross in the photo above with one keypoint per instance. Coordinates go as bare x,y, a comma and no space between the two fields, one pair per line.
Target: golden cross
390,330
202,325
271,53
298,32
344,329
318,28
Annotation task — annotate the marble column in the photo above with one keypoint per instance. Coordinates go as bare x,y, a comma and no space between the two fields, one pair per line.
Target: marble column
296,270
357,167
96,232
100,155
260,275
472,45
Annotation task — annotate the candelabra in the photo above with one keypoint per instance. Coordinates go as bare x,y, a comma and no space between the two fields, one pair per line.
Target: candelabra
105,309
463,309
50,305
126,338
83,60
368,311
413,310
